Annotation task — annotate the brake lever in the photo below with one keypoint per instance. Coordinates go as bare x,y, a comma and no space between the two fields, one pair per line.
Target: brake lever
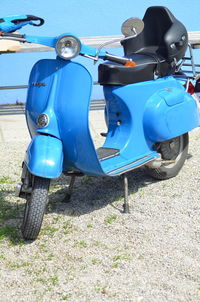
13,37
34,18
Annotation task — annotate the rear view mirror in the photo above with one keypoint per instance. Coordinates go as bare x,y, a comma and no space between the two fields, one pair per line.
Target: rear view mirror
132,27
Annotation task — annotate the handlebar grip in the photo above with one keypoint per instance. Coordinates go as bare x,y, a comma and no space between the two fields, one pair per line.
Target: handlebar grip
29,18
120,60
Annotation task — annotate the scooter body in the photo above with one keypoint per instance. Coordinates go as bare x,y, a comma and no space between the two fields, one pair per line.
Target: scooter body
148,110
139,116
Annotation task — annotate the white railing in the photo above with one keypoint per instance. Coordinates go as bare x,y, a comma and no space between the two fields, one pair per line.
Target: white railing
194,40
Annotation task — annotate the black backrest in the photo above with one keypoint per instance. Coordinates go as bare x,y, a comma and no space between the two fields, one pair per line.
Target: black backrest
163,35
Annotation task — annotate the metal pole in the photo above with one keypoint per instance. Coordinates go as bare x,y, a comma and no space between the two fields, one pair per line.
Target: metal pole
13,87
26,86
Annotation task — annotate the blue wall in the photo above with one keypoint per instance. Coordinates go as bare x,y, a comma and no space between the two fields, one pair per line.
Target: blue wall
84,18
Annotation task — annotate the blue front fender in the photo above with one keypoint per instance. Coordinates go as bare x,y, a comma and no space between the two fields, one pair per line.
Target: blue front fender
44,156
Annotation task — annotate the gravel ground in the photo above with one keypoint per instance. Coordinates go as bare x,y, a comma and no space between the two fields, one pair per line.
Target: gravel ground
88,250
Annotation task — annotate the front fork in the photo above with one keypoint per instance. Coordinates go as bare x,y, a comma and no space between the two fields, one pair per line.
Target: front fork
25,187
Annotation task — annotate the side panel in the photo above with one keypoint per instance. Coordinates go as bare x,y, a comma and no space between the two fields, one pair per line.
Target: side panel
42,95
126,107
62,90
72,111
169,113
44,156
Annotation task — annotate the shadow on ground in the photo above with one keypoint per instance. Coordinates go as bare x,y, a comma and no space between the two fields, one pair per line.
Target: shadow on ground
90,194
11,214
93,193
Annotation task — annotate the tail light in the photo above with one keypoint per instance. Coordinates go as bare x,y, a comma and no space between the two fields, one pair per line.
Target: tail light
190,88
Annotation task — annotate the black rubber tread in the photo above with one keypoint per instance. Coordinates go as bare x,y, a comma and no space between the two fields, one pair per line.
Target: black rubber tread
35,208
166,172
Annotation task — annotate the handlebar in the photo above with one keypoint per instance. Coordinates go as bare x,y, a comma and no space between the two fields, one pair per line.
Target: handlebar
10,24
85,50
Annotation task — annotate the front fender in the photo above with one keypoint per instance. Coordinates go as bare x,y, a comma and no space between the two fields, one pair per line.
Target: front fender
44,156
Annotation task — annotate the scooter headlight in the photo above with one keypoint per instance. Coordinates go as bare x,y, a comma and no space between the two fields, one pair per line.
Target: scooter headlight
68,47
42,120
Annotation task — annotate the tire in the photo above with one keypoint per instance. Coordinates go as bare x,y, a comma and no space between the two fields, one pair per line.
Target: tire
173,149
35,208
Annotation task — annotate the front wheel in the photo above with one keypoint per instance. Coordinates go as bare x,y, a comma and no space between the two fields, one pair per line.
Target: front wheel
35,207
175,149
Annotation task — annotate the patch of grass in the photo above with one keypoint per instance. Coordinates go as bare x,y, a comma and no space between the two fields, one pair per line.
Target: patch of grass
14,265
86,180
52,205
84,267
125,257
141,193
7,212
53,280
100,244
7,209
6,180
101,288
81,243
66,297
42,270
115,264
141,257
48,289
89,226
5,190
68,227
110,219
49,257
56,219
41,280
40,297
9,232
49,230
96,261
43,247
2,257
32,271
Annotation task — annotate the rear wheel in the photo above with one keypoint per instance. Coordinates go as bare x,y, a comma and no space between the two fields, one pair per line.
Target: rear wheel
175,149
35,207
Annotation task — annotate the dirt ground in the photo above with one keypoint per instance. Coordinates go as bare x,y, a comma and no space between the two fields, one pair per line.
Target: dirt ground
88,250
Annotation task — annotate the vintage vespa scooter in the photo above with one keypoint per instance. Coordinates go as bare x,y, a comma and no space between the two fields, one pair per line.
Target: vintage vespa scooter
148,111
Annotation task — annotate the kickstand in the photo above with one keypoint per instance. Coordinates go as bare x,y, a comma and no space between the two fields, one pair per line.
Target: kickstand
68,195
126,203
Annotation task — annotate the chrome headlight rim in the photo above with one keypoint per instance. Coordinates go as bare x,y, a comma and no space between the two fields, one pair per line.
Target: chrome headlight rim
42,121
74,39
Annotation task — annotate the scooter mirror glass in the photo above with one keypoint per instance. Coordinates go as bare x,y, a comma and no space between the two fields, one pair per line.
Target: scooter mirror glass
132,27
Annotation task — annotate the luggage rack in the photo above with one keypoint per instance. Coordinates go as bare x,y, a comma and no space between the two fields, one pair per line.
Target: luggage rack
191,70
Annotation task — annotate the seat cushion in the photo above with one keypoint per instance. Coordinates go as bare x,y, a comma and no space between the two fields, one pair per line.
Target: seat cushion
117,74
161,30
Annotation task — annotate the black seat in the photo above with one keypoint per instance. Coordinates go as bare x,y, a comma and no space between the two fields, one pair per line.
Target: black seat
156,50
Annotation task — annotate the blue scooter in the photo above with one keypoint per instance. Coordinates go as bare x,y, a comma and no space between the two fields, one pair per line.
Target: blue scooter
148,110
